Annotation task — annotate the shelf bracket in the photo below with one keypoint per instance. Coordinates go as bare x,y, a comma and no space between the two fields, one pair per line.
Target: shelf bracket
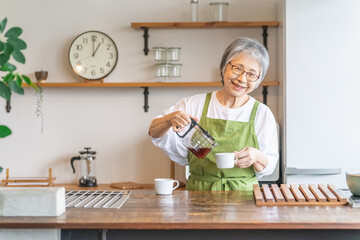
146,39
264,93
265,35
146,98
8,106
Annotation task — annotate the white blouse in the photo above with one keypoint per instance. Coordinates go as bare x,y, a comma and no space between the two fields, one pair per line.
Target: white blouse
265,128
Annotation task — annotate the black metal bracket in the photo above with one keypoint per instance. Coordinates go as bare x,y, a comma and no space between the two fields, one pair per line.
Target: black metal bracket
264,93
265,35
8,106
146,39
146,99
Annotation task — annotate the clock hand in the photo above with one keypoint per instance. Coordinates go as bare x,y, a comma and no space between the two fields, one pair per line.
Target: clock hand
93,45
96,49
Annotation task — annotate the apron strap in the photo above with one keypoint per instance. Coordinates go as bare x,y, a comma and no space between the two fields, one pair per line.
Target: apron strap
206,105
253,112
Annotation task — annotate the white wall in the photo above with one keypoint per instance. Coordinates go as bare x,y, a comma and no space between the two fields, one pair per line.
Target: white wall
322,87
112,121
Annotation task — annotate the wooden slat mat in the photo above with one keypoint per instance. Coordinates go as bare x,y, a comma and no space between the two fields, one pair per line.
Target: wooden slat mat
298,195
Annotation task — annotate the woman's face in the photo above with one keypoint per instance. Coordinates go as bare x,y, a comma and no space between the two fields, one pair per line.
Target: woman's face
239,85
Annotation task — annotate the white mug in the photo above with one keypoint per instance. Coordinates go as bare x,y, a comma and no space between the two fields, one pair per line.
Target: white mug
165,185
225,160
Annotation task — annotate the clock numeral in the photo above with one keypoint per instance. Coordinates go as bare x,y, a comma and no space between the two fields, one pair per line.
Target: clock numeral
93,72
85,40
85,69
102,40
108,64
108,46
93,38
111,55
102,70
76,55
79,47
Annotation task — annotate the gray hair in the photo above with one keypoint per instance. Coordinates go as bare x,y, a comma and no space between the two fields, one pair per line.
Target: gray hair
246,46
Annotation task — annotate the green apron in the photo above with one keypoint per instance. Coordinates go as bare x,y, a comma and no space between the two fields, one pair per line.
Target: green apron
231,136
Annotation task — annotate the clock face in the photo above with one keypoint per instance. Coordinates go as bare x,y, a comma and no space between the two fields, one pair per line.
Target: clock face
93,55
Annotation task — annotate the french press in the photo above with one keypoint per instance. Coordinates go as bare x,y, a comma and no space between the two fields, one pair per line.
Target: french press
197,140
87,168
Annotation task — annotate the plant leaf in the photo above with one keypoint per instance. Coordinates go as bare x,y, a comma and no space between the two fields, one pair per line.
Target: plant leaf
33,85
3,25
5,91
13,32
8,67
3,59
26,79
18,56
16,89
4,131
1,46
18,80
8,49
17,43
8,78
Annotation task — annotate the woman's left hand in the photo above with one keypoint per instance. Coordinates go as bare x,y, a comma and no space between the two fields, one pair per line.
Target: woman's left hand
247,157
251,156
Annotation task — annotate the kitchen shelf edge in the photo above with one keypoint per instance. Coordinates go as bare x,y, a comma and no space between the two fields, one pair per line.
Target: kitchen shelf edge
137,84
248,24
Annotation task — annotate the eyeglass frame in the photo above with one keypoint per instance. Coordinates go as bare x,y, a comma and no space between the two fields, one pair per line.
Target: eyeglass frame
242,73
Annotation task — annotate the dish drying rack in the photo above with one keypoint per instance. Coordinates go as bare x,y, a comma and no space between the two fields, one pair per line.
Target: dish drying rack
28,181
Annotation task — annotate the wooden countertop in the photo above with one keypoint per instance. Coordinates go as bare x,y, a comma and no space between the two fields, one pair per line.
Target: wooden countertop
195,210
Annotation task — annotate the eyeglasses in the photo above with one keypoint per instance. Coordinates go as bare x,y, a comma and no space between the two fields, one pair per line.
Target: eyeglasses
239,71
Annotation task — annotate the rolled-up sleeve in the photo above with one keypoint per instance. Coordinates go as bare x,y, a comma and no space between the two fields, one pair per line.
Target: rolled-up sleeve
170,143
267,133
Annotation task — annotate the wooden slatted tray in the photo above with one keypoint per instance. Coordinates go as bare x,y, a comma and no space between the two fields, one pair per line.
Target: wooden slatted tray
298,195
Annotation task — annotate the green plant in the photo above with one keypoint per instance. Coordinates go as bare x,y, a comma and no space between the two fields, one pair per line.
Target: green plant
11,47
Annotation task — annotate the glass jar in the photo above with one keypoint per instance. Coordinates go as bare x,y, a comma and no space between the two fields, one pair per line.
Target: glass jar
175,70
219,11
160,54
194,11
173,54
162,69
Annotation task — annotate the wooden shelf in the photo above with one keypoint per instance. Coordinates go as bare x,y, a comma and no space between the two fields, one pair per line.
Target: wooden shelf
204,24
138,84
145,26
144,85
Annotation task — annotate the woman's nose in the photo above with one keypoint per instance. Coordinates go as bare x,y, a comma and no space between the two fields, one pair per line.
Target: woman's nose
242,78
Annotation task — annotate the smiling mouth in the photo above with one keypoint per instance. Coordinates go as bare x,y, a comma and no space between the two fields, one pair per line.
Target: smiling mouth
237,86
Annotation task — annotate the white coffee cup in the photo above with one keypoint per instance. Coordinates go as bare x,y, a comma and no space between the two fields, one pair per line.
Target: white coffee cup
165,185
225,160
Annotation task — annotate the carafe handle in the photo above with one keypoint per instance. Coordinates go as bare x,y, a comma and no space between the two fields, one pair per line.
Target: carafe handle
72,162
192,124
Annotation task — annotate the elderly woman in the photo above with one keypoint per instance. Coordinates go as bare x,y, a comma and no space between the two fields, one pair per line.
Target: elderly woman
236,120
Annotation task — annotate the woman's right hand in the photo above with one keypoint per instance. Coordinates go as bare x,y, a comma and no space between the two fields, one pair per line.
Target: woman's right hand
179,120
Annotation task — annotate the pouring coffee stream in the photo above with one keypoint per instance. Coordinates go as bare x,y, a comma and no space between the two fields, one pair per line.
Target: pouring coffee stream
197,140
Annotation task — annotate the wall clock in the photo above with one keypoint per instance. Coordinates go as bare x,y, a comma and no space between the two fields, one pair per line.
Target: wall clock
93,55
